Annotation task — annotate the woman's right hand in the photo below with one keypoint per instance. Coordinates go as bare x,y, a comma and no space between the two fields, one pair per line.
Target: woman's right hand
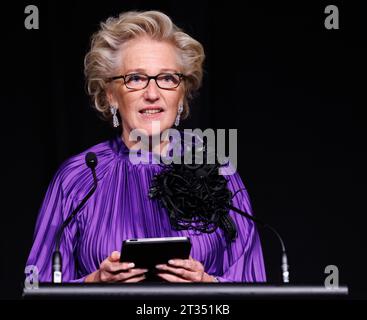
112,270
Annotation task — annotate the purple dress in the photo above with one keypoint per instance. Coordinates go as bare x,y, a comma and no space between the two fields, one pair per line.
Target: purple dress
121,209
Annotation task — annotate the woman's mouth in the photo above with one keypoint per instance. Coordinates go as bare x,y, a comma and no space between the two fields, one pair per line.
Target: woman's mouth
151,112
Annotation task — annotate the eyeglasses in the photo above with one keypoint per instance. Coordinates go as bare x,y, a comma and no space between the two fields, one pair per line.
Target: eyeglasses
139,81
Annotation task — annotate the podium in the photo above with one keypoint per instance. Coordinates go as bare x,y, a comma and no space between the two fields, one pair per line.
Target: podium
182,291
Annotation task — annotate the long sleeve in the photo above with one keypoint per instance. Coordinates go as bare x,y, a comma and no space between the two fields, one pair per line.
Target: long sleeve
56,206
243,259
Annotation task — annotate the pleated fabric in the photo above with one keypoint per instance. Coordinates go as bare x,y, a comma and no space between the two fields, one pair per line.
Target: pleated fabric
121,209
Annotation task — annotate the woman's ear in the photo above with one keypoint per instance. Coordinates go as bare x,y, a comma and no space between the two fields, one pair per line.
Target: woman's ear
110,96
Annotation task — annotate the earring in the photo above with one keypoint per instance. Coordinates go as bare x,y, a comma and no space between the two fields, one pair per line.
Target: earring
115,120
177,121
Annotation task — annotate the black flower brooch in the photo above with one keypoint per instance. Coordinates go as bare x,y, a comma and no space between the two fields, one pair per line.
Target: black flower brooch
196,197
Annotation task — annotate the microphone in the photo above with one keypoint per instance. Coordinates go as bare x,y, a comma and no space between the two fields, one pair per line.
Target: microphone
91,161
196,197
284,265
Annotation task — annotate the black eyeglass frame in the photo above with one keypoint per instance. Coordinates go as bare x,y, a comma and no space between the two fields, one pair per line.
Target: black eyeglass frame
180,75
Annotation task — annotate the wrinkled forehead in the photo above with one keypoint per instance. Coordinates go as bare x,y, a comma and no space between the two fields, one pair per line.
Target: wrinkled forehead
148,56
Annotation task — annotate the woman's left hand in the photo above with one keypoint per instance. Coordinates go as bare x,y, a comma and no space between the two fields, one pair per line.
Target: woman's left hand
184,270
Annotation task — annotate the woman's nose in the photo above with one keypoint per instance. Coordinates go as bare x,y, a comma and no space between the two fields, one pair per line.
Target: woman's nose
152,92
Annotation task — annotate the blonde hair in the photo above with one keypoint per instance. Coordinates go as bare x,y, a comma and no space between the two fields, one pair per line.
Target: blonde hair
101,62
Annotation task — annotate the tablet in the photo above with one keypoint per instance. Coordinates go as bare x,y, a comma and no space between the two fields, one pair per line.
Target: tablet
148,252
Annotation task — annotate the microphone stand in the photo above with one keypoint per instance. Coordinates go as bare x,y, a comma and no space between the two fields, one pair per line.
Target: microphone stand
91,161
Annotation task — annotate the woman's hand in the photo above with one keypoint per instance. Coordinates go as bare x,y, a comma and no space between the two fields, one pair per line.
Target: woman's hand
112,270
187,270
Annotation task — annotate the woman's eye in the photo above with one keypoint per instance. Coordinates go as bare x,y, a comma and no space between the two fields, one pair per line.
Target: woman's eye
168,78
135,78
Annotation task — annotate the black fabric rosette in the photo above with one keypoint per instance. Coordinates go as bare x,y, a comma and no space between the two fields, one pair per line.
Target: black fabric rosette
196,196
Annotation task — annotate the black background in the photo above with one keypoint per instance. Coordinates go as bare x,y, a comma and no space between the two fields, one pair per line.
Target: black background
296,96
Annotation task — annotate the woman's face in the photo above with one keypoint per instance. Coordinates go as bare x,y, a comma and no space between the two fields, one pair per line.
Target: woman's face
151,57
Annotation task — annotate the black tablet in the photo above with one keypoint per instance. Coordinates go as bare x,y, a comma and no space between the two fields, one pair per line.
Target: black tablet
148,252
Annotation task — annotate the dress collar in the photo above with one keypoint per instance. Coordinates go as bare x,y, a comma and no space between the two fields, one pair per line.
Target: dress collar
120,148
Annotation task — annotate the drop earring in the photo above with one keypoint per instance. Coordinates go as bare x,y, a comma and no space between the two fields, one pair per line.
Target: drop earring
177,121
115,120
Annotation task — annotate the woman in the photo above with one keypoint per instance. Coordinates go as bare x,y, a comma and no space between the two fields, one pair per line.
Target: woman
140,68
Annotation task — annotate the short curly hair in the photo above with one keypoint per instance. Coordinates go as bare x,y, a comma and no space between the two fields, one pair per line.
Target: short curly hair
101,62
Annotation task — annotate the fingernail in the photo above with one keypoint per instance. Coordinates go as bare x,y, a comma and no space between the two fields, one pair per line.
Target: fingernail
131,265
159,266
171,261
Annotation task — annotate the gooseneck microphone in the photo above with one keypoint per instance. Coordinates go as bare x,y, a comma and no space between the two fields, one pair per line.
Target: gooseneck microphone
91,161
284,265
